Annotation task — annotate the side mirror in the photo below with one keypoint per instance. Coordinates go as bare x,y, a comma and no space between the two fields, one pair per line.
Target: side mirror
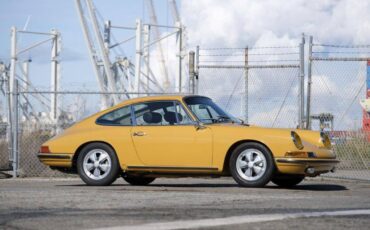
199,125
242,121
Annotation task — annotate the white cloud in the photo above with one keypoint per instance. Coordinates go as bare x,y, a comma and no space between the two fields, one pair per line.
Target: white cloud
241,22
238,23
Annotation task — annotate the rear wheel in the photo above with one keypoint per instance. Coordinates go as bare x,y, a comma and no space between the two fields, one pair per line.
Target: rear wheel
97,164
287,181
138,180
251,165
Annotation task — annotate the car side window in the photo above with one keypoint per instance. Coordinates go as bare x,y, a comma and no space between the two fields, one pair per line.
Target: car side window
121,116
183,117
160,113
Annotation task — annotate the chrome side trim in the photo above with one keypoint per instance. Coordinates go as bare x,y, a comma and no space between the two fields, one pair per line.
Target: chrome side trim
170,168
308,161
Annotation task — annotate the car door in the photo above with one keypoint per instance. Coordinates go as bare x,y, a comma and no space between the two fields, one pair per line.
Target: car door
165,135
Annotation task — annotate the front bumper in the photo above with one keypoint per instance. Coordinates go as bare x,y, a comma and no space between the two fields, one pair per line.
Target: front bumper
305,166
56,159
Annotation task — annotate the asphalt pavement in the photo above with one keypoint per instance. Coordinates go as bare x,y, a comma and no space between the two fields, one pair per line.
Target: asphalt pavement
181,204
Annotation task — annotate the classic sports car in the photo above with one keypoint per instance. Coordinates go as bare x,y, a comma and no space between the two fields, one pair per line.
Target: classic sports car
173,136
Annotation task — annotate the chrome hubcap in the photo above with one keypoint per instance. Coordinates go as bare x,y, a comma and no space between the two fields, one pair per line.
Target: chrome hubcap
251,164
97,164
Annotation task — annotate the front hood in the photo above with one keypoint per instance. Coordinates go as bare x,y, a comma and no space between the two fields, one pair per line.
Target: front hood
310,139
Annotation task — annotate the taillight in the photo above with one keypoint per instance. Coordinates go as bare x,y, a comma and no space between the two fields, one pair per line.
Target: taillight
44,149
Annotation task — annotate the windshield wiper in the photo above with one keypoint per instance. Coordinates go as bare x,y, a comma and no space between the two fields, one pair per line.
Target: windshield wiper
214,120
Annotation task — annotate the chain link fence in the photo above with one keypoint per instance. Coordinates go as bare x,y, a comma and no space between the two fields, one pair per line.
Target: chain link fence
4,147
263,85
259,84
36,126
339,76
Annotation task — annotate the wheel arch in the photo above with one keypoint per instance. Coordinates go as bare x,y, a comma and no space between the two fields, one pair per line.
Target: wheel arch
225,169
78,151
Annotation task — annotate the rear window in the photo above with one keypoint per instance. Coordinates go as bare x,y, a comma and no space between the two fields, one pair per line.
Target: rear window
121,116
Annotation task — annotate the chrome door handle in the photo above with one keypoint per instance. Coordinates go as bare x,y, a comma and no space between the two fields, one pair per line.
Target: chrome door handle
139,134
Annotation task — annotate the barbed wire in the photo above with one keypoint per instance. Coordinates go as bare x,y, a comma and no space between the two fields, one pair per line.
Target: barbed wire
259,61
339,52
249,54
343,46
250,48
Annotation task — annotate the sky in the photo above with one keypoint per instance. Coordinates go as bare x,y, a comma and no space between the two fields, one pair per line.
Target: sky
209,23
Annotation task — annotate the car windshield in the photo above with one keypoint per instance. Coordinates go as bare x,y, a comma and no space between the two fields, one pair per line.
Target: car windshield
208,112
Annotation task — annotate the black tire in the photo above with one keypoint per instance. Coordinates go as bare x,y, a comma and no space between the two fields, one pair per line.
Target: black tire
111,175
287,181
265,176
138,180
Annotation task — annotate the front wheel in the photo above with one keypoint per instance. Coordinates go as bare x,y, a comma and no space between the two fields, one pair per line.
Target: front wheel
251,165
138,180
287,181
97,165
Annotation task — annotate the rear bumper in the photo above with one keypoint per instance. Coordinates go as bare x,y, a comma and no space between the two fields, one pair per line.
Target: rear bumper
305,166
56,159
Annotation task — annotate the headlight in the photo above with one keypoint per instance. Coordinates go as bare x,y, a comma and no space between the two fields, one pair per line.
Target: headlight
296,140
325,140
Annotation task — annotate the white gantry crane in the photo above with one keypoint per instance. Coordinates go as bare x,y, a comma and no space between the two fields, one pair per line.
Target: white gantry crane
122,77
99,54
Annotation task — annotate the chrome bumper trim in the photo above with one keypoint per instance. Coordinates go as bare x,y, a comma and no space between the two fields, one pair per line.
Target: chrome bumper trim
53,156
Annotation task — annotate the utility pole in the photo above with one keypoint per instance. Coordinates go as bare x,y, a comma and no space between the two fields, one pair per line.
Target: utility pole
191,72
246,84
309,83
147,54
26,80
13,62
11,95
301,84
179,44
107,35
55,75
138,55
197,70
15,143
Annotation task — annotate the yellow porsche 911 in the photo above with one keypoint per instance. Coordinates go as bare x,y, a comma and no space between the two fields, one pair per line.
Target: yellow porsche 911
174,136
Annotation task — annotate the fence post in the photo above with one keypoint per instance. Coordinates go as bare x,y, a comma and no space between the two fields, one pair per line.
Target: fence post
13,61
10,122
55,76
179,43
196,83
309,83
15,143
301,85
192,71
138,55
246,84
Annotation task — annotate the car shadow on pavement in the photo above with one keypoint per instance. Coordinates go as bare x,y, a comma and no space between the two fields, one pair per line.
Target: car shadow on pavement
303,187
196,185
314,187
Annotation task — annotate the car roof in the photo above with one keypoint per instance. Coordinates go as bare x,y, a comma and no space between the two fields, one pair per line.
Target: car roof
178,97
154,98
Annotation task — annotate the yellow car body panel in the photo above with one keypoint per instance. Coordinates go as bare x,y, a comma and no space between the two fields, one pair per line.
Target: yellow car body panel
187,148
